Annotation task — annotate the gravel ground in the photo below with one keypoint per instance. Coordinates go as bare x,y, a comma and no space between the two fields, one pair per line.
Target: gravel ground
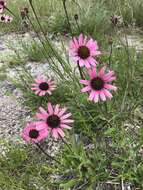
12,112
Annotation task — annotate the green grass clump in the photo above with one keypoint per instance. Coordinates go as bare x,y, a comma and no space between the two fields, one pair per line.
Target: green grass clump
94,18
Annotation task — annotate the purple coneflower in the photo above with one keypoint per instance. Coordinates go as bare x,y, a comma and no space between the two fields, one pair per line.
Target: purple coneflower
43,86
83,51
2,5
32,134
99,86
55,119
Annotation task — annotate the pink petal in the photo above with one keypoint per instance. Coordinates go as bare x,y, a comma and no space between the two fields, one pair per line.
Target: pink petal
109,79
85,40
61,133
67,121
34,85
107,94
92,61
85,82
43,111
75,42
62,112
87,64
97,53
96,97
91,97
86,89
25,137
81,63
66,116
35,88
56,111
81,39
41,116
50,108
110,87
90,43
42,93
102,71
73,45
43,134
40,125
102,95
49,92
76,58
37,92
55,133
65,126
92,73
109,74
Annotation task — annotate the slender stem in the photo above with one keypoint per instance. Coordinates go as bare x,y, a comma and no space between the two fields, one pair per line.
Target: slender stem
80,71
45,50
10,11
66,143
48,156
77,25
110,56
67,16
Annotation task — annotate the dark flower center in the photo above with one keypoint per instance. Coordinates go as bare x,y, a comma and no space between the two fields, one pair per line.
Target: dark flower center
97,83
33,134
2,3
2,18
53,121
44,86
83,52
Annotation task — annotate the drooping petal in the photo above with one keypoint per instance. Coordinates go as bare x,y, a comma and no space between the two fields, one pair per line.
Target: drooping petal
43,111
55,133
96,97
66,116
61,133
50,108
102,95
91,96
107,94
65,126
110,87
86,89
102,71
85,82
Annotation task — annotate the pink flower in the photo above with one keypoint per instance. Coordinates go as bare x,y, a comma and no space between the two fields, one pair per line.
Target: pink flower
83,51
99,85
32,134
54,118
43,86
8,19
5,18
2,5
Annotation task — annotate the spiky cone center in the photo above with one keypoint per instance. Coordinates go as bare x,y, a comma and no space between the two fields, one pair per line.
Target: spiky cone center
83,52
33,134
44,86
97,83
53,121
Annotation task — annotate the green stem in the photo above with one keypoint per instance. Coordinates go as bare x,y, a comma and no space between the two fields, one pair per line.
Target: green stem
67,16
